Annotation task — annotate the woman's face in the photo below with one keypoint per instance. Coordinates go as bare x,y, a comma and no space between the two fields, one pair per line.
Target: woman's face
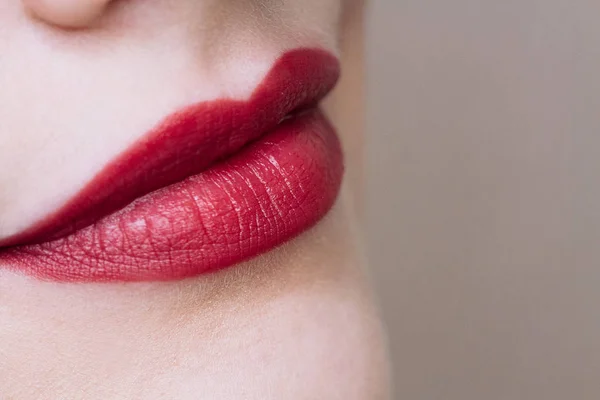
105,104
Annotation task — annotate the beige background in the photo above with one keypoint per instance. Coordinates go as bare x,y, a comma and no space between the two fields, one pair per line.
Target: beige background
484,195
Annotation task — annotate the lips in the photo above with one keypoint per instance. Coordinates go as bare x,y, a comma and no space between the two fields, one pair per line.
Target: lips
211,186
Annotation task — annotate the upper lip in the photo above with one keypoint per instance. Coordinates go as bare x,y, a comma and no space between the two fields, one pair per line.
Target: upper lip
176,148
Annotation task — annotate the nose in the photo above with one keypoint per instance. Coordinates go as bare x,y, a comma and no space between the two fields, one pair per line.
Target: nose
67,13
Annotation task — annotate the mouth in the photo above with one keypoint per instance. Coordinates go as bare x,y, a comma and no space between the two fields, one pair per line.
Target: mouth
211,186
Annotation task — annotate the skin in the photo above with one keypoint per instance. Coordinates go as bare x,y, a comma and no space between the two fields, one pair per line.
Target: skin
296,323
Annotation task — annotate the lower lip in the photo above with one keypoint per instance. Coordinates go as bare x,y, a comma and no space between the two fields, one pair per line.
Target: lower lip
262,196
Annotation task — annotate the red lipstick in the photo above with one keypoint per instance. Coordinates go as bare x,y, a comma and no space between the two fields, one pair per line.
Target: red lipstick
210,186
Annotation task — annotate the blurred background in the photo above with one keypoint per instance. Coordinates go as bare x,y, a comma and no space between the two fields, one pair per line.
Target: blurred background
484,195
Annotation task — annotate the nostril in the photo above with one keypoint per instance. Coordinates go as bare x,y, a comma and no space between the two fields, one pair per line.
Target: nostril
66,13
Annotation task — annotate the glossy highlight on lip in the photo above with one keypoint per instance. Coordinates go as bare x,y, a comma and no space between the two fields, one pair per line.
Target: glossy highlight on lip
212,185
